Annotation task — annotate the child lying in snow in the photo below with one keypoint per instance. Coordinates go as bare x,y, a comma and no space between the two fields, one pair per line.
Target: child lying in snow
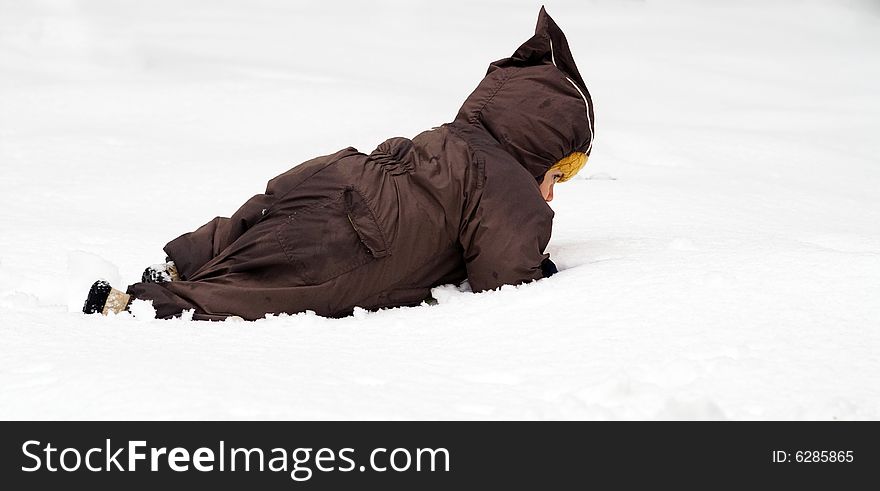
466,200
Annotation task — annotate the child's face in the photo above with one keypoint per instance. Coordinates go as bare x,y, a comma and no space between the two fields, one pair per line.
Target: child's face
546,185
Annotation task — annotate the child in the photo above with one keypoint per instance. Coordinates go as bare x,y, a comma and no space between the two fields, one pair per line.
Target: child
466,200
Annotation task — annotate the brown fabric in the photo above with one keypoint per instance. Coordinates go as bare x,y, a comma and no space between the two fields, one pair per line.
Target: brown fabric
460,201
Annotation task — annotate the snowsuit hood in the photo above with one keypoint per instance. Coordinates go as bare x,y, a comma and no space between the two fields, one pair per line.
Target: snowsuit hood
535,103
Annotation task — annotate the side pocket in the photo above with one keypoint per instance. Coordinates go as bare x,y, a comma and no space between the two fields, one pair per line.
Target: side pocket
330,238
365,224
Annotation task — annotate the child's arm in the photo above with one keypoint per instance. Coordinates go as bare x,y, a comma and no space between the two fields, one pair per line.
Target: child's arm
507,230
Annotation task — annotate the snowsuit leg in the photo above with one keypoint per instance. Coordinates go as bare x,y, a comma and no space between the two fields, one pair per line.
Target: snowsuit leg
235,265
193,250
166,303
216,299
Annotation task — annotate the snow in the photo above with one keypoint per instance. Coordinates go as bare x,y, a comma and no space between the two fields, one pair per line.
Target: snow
719,255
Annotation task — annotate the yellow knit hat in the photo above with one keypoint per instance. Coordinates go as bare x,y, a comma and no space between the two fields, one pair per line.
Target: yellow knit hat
570,165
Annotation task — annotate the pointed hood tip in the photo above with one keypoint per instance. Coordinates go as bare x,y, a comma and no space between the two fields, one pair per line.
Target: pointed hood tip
507,115
541,26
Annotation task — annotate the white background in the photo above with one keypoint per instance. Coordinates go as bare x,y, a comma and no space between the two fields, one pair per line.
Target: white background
720,253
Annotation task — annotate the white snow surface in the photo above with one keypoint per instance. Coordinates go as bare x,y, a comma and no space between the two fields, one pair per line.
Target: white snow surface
719,255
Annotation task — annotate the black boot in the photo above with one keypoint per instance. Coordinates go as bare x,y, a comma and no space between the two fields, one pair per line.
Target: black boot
105,299
98,294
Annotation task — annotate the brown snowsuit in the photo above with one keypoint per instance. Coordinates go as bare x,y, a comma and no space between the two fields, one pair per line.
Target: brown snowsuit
460,201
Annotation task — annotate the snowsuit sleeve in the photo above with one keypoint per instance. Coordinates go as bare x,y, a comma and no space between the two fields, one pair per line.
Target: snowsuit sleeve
507,231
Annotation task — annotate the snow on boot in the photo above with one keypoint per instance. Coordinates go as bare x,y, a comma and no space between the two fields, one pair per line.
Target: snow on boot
160,273
98,294
105,299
